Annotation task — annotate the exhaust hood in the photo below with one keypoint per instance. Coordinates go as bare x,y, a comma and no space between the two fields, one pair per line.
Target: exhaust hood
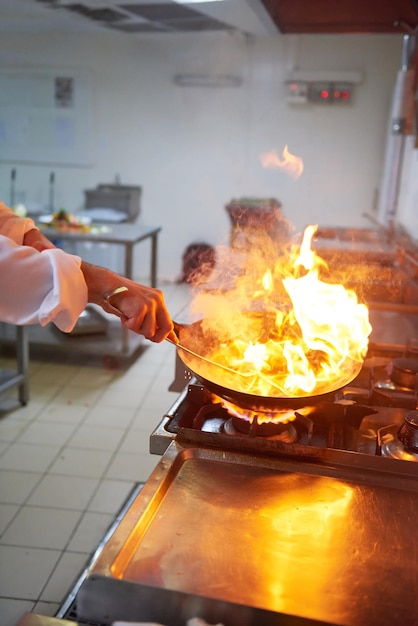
254,17
135,17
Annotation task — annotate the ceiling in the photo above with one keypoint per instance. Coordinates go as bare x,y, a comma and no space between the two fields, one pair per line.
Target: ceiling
343,16
139,17
134,17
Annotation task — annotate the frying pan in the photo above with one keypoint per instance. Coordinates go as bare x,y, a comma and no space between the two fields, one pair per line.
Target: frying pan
242,389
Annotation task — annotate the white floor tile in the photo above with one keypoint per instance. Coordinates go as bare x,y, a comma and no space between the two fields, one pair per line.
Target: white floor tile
49,433
110,496
78,396
7,513
59,412
53,374
92,378
49,609
11,429
96,437
29,411
39,527
132,467
26,457
111,416
91,530
64,492
12,611
121,399
25,571
43,394
68,570
77,462
16,486
135,441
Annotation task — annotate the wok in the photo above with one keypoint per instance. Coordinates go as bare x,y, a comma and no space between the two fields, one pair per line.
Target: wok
242,389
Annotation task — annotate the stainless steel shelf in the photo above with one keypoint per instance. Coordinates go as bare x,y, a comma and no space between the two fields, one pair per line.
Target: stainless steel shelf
112,344
19,377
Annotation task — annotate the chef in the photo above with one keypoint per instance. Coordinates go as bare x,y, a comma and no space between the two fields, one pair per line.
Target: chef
40,283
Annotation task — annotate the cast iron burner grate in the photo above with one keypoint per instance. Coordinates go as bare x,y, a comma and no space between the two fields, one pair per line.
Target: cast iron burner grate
203,417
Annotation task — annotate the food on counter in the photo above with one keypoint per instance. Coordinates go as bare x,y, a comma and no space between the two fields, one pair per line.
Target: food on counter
65,221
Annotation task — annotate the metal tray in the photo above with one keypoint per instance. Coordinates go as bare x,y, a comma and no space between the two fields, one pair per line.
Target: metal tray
291,537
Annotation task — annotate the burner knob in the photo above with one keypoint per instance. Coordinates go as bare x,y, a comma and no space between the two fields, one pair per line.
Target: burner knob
408,432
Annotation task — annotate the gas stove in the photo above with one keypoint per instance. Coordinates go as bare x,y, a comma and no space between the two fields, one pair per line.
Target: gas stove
376,415
297,516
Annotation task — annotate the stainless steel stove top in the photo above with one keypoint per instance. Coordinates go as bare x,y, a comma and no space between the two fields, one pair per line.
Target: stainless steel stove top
364,417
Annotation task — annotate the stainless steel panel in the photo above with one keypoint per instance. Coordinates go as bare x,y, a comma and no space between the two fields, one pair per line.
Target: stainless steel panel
319,540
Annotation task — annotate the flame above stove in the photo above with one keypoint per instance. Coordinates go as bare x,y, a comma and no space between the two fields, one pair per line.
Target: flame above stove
281,328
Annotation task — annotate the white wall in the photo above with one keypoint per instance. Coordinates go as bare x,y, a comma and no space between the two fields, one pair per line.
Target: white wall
408,198
193,149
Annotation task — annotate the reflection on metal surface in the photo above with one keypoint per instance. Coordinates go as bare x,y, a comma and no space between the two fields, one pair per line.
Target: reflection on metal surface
275,534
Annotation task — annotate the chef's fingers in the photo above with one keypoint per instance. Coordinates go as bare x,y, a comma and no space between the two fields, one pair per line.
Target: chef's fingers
148,327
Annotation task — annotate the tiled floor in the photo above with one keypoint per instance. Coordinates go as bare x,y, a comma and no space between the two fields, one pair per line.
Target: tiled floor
68,461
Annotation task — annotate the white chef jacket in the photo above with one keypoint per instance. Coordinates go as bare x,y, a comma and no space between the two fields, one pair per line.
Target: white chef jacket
37,287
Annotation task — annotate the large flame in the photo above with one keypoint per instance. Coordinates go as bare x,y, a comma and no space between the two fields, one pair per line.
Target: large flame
291,164
282,329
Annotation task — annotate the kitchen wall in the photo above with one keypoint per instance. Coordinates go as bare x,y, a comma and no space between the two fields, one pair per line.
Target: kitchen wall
408,198
192,149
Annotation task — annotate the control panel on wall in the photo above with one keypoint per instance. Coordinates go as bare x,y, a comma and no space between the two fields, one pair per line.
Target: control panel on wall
322,87
338,93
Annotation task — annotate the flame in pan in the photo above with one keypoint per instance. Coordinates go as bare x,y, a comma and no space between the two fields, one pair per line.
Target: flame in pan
285,331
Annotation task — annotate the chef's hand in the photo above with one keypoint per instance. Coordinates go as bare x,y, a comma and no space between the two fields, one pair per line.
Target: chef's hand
141,309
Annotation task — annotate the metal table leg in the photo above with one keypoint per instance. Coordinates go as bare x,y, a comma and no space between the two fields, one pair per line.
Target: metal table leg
23,363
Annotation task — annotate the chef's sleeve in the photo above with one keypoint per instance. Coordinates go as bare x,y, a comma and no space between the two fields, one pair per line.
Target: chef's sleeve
40,287
13,226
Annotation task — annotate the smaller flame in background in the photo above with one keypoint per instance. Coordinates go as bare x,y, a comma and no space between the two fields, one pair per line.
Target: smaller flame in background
289,163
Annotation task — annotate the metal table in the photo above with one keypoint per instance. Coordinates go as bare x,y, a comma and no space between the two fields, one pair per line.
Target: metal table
127,234
20,376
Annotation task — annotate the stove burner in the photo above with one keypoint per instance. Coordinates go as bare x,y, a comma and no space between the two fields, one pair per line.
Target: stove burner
273,424
390,446
404,372
408,432
400,442
278,431
396,384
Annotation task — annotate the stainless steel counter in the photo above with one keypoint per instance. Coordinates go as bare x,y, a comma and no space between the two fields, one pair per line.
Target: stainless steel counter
127,235
212,530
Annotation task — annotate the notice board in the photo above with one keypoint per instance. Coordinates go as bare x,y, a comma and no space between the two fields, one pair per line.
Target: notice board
46,116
